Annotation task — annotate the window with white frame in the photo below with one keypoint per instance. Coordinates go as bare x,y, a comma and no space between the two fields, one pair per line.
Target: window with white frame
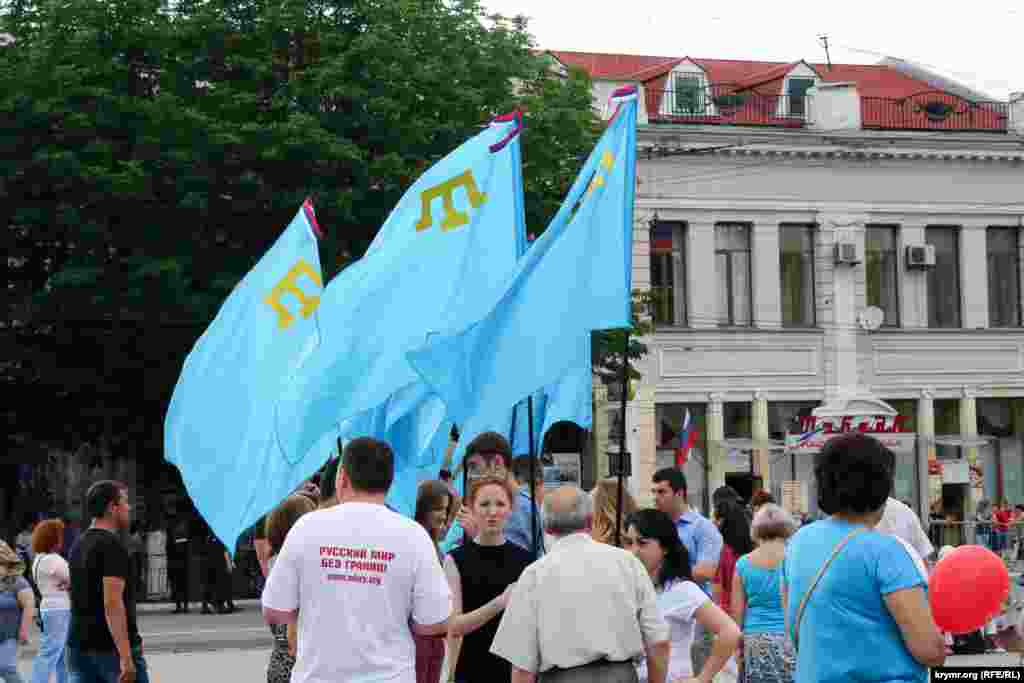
686,95
668,276
944,278
1002,247
733,272
796,96
881,271
796,260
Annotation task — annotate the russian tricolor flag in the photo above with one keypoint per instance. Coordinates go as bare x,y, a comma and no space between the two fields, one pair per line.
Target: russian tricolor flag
685,440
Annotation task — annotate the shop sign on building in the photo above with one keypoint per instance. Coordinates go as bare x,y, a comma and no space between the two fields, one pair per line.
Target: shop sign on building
815,432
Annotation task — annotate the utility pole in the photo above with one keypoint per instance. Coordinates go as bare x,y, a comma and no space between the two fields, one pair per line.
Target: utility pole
824,44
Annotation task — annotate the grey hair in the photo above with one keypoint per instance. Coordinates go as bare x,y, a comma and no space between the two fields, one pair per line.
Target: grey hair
569,521
772,522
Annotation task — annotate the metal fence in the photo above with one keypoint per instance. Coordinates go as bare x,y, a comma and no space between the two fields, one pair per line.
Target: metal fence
725,103
1009,543
934,111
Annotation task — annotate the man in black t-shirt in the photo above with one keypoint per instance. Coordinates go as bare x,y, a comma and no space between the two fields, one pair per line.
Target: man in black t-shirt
104,645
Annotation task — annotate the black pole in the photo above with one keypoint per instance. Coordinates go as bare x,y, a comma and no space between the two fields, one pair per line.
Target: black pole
533,474
465,492
622,439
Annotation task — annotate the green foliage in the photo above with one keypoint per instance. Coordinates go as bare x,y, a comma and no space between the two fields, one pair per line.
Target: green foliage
151,151
606,347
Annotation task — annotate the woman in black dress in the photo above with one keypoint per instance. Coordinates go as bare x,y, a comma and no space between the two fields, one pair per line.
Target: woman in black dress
481,573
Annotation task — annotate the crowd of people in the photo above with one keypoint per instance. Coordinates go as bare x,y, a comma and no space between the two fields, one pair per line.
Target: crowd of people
667,595
539,584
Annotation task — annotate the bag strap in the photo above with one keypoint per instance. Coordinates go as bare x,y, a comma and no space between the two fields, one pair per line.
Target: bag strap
817,578
35,568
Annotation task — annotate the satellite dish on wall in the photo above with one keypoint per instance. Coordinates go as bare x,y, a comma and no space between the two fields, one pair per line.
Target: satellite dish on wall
871,318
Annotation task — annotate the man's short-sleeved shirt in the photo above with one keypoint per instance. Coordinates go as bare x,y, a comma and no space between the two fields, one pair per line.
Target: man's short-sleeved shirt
702,540
358,574
849,602
582,602
99,554
900,521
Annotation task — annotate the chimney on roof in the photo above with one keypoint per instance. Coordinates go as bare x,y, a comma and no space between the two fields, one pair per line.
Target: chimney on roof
1017,113
834,106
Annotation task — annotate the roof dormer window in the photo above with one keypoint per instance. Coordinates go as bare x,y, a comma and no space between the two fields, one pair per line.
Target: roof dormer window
687,96
796,96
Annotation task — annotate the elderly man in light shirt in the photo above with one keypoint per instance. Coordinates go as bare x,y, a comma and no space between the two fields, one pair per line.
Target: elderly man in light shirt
902,522
585,610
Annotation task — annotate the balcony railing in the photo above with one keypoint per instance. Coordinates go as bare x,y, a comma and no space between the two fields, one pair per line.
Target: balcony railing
722,104
934,110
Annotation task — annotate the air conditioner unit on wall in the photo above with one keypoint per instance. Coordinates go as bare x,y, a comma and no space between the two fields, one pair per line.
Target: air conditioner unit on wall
921,256
846,253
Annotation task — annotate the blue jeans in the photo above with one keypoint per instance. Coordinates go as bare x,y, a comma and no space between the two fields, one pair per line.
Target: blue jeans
102,667
9,661
51,646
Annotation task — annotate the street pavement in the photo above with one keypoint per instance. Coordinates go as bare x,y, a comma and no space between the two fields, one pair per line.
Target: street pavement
236,646
250,665
165,632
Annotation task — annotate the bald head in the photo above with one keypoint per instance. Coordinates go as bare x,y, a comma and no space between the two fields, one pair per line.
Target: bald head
567,510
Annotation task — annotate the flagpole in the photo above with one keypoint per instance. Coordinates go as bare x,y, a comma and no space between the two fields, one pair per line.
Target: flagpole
533,474
622,440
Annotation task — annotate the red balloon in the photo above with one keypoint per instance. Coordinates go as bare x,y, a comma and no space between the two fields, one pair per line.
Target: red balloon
967,589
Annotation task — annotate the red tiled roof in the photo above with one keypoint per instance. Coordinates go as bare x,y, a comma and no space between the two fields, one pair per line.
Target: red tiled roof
873,80
608,66
886,93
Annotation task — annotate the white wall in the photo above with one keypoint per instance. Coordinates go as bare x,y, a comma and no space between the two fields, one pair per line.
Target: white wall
841,196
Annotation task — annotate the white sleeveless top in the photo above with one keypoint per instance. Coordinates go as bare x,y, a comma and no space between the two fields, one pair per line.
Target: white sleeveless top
49,571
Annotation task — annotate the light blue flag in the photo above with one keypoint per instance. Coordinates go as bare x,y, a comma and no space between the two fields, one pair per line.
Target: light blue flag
219,428
571,398
574,279
437,263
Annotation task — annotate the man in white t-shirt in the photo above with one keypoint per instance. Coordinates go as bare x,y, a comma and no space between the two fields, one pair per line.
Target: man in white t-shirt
359,579
900,521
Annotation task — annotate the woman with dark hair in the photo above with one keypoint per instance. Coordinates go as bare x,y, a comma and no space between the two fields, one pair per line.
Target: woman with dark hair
652,537
435,508
731,520
841,579
279,523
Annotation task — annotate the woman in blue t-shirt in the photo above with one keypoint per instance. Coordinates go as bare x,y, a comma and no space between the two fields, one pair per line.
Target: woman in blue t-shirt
757,601
17,604
867,619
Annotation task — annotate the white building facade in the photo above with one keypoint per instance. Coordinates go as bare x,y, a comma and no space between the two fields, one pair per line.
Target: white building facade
824,255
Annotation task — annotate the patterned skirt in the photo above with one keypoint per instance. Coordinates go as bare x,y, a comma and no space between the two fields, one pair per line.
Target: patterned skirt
768,658
279,669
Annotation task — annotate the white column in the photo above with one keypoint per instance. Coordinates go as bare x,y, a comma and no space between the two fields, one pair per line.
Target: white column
925,449
702,280
715,436
641,442
599,428
969,430
759,434
974,276
841,371
766,267
913,283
